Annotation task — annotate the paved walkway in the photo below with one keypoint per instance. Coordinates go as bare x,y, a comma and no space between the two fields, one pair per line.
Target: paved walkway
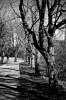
9,74
11,88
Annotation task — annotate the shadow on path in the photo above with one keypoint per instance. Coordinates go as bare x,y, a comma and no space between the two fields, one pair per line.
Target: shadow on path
28,86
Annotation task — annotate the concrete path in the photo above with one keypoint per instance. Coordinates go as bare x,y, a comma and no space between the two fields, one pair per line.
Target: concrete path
9,74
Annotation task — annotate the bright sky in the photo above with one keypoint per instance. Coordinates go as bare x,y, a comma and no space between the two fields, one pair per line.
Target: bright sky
59,35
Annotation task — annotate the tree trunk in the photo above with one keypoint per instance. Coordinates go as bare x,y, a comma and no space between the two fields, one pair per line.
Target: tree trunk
25,54
37,72
32,56
51,64
7,58
2,58
29,59
15,56
33,61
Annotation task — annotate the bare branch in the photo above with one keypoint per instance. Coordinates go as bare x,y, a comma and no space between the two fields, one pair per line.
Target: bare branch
61,23
57,17
38,6
34,23
25,25
54,5
13,9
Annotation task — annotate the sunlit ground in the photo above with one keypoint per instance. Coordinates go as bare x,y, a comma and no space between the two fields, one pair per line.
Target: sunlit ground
10,68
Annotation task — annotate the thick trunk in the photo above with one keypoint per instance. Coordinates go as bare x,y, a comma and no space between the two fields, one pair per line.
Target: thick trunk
51,61
36,64
29,60
7,55
15,56
25,55
7,59
2,58
33,61
51,64
33,57
25,58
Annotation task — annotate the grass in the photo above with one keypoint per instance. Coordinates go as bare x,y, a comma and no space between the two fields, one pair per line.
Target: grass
43,89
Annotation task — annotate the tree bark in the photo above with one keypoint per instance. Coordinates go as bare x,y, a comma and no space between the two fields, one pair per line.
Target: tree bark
16,51
37,72
15,57
51,63
2,58
7,57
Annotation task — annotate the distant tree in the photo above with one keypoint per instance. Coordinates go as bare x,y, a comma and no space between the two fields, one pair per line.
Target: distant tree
3,32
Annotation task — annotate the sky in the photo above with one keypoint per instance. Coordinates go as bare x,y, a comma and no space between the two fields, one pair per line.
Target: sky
9,13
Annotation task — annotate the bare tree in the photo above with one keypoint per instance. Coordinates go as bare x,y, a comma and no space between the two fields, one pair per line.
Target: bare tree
3,38
55,11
